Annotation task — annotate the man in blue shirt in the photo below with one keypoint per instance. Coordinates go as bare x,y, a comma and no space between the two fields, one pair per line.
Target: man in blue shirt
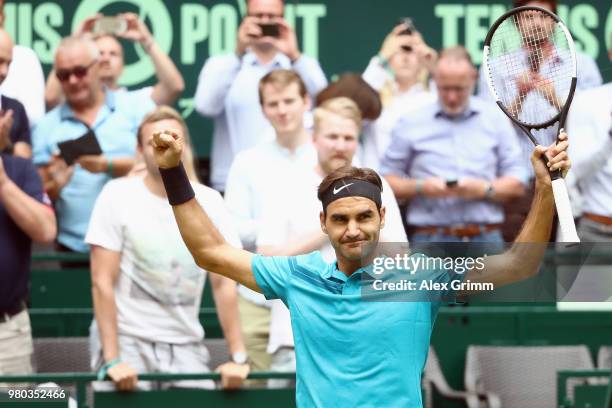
113,117
350,352
456,159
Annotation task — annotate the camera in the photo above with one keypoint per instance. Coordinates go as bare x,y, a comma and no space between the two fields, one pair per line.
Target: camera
270,30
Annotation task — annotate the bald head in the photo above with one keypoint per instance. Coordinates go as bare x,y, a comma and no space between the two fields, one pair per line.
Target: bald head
455,78
6,54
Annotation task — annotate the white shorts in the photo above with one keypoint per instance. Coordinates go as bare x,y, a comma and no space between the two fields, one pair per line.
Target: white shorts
16,345
154,357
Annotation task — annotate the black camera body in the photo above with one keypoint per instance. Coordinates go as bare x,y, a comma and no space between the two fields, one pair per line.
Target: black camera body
270,30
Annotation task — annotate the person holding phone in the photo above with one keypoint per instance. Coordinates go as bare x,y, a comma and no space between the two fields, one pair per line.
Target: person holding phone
106,31
400,73
456,159
227,86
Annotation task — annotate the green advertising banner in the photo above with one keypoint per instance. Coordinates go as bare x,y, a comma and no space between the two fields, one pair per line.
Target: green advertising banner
342,34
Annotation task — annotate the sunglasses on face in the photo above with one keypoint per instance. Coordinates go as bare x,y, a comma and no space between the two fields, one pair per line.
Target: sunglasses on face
79,71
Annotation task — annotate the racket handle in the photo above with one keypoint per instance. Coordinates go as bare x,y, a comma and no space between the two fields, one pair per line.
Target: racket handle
564,212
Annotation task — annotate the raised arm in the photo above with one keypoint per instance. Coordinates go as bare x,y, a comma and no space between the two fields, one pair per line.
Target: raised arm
170,83
206,244
522,261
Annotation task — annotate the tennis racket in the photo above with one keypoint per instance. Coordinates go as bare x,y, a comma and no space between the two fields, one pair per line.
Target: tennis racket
530,66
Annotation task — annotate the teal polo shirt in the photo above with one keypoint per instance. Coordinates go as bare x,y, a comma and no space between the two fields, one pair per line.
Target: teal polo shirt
115,127
350,352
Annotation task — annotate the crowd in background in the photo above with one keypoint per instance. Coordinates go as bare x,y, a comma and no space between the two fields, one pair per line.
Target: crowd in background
82,176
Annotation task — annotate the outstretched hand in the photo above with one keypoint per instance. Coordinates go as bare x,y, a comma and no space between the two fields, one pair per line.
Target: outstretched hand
168,147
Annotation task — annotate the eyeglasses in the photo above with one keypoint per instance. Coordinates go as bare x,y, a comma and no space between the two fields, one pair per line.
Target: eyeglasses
79,71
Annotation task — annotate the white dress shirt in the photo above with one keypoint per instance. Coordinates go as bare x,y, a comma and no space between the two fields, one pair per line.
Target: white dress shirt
228,92
259,176
590,148
25,82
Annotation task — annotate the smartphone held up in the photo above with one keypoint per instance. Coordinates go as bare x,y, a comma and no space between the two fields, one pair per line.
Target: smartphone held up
113,25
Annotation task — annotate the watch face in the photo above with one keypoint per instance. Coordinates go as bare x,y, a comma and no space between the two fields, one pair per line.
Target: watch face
239,358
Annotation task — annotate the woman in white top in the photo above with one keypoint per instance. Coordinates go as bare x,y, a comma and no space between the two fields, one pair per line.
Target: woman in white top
400,73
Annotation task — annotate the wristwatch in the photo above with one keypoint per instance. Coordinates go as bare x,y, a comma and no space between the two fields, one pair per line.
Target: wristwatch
489,191
419,186
239,357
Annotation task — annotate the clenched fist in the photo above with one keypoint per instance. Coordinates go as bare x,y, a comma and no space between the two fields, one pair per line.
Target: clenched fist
168,147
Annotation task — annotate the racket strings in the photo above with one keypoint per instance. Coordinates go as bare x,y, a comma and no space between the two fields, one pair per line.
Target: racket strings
530,66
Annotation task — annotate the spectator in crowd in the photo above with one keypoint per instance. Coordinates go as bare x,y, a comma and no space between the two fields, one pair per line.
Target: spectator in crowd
290,224
396,73
590,117
455,192
14,125
170,83
588,77
354,87
112,117
147,288
26,215
25,80
253,178
227,86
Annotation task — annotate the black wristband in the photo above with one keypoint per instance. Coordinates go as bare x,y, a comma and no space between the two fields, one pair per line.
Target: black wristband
177,185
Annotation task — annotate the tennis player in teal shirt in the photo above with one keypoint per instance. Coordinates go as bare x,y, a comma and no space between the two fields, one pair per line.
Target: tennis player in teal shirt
351,351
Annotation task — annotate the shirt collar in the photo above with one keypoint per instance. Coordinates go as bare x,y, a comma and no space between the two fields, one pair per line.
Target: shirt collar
279,60
336,275
66,111
556,57
299,151
469,111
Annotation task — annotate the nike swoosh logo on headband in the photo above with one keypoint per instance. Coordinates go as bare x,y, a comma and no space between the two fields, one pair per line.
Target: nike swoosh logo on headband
337,190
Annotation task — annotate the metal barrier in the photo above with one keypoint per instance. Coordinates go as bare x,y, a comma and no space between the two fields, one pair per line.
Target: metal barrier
82,380
592,392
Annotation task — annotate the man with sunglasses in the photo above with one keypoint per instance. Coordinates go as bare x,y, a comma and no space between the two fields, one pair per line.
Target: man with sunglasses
90,108
227,86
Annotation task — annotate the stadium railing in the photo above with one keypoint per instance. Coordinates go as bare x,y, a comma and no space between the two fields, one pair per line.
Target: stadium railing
177,397
592,390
